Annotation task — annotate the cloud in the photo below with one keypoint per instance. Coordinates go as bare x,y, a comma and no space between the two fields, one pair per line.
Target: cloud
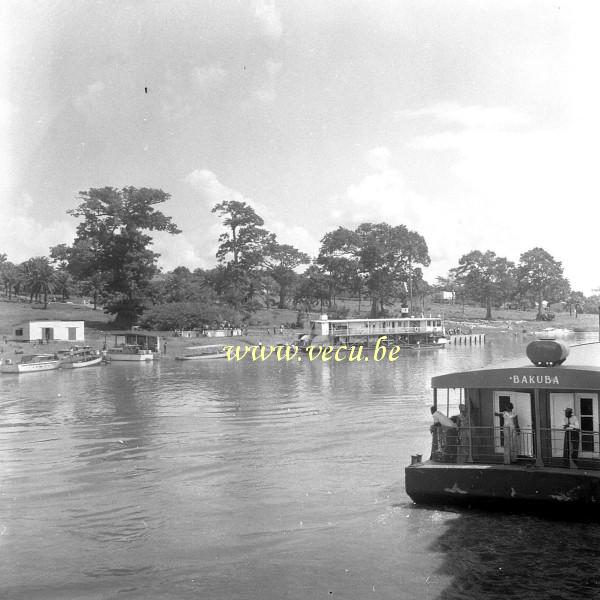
269,19
208,76
474,116
24,235
379,159
211,191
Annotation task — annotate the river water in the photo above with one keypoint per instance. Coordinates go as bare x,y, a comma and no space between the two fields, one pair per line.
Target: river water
252,481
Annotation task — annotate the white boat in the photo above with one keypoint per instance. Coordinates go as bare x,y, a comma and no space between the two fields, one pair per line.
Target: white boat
30,363
207,352
550,333
129,352
80,357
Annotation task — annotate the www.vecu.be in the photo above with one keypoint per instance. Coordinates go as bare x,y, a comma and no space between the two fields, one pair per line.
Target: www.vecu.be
288,353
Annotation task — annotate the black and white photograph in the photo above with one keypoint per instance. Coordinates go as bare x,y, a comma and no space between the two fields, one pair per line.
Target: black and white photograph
298,300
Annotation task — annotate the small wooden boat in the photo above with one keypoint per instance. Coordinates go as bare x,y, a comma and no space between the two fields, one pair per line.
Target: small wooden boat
81,357
209,352
30,363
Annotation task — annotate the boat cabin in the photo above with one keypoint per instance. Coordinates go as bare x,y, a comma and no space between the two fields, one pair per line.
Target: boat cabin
517,415
399,330
143,341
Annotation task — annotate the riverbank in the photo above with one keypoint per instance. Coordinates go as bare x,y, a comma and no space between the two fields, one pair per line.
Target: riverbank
267,325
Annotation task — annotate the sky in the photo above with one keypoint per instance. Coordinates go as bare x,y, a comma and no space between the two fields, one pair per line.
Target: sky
472,122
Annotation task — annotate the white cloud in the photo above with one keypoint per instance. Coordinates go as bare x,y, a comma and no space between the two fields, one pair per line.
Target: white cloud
211,191
23,236
379,159
269,19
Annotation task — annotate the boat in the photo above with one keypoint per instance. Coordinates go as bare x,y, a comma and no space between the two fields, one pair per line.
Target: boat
482,457
129,352
406,332
208,352
30,363
76,358
553,333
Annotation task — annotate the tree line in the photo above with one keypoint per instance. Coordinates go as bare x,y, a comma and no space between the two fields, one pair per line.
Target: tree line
112,262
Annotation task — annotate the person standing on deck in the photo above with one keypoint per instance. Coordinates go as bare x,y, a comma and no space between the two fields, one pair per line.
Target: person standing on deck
439,430
511,429
571,427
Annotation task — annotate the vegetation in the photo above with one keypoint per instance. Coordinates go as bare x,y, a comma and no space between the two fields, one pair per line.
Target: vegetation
111,262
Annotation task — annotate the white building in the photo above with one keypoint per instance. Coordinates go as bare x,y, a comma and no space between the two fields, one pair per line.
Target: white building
32,331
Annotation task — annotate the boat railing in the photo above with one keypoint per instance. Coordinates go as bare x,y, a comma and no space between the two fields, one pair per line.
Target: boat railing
503,445
345,330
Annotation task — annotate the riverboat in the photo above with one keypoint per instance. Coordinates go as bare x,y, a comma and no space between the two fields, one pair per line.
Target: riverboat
30,363
406,332
207,352
76,358
541,460
133,346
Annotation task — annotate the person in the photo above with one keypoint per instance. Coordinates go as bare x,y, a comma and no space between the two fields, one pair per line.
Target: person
164,347
464,435
510,424
571,427
439,430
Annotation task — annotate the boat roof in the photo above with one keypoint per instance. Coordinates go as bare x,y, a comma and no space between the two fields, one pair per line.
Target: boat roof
385,319
519,374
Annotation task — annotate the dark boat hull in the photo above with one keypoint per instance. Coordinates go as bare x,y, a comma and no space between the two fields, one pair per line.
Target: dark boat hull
504,486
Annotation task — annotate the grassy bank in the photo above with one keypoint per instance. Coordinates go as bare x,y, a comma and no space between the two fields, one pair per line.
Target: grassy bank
266,327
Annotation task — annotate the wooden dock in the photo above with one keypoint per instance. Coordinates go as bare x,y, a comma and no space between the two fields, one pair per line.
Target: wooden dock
472,339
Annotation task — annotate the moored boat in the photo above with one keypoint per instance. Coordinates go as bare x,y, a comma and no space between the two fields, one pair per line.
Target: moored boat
525,436
80,357
30,363
208,352
129,352
406,332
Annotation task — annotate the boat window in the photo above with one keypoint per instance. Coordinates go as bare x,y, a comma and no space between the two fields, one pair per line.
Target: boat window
19,332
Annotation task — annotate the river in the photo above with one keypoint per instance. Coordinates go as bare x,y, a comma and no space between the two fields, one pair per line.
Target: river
255,481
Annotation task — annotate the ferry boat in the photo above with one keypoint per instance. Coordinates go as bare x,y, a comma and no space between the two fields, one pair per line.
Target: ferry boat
543,459
30,363
407,332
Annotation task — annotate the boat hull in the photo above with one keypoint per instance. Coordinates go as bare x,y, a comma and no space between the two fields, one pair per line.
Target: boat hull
78,364
29,368
504,486
202,357
119,356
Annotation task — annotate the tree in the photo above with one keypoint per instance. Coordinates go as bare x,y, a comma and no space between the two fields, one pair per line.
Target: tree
486,278
541,277
280,262
246,239
242,250
11,278
112,241
384,257
39,278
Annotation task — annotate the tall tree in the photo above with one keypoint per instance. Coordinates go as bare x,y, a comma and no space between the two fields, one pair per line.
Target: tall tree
242,251
541,276
485,277
112,240
385,257
280,262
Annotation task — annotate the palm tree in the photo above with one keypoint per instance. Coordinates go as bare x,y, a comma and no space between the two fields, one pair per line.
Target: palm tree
40,277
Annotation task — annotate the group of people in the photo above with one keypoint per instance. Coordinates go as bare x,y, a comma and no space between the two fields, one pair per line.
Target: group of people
451,435
451,440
